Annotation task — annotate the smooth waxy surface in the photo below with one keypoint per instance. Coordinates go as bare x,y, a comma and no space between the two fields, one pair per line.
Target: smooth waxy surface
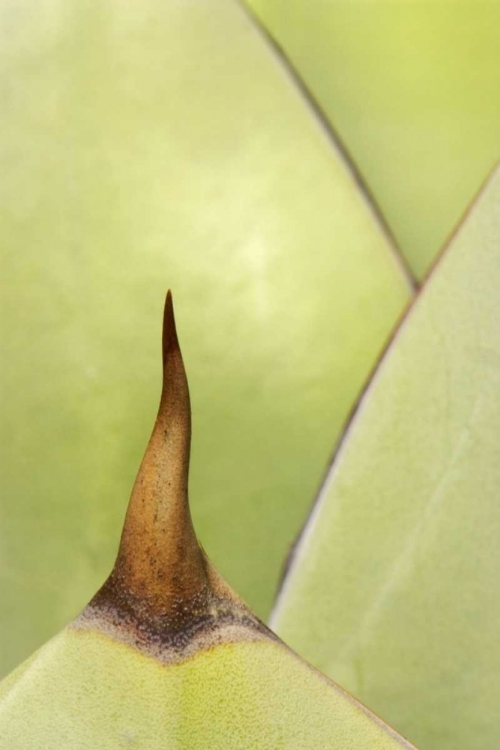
393,589
166,655
147,144
412,90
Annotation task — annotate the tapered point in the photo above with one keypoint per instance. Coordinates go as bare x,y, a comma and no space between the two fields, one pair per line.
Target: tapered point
163,596
169,339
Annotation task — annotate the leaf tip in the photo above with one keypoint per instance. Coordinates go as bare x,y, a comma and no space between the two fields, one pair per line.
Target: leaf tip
169,336
163,595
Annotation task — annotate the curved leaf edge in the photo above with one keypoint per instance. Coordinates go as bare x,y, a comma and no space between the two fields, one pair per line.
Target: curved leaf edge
293,557
335,140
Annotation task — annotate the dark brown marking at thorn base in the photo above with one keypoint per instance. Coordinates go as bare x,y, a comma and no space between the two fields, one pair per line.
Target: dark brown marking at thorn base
164,596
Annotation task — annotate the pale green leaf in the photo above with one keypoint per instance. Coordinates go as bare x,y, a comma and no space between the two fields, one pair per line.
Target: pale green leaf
393,587
412,89
84,692
147,145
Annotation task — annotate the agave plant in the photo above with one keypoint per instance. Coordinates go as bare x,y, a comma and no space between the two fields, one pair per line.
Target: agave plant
166,654
174,146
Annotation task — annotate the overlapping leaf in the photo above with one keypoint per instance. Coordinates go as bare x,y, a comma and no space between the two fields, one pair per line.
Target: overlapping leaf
412,88
393,588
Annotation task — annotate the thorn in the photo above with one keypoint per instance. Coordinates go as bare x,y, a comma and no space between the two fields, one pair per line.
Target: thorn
169,337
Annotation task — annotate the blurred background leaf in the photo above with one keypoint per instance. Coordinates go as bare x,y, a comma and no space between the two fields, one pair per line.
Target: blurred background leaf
147,145
393,588
411,87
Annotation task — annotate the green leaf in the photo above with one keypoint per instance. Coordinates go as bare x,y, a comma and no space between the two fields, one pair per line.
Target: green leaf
393,586
166,655
412,89
84,692
146,145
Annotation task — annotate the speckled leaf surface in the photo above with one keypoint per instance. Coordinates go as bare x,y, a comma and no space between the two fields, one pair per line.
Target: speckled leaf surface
92,693
412,89
154,144
393,589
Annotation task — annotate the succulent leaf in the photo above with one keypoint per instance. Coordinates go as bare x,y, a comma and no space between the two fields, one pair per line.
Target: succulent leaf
411,88
392,588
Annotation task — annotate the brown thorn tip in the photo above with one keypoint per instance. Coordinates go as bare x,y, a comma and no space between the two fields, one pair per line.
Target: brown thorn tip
169,338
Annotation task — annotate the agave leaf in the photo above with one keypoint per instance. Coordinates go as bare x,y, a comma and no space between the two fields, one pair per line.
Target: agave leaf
153,142
166,655
412,89
392,589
